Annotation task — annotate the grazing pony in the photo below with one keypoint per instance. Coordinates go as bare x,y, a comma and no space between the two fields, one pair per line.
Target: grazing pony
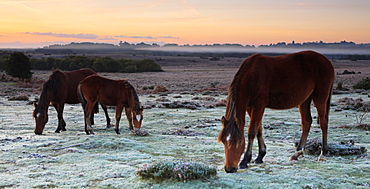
280,82
119,93
60,88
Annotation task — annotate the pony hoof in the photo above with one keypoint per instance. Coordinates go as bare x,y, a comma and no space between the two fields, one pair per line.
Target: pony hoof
57,131
243,166
118,132
321,158
295,156
258,161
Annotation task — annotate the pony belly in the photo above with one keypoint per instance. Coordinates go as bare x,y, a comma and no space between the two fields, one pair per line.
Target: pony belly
284,102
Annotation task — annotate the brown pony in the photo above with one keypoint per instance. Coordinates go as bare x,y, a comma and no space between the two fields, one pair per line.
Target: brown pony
60,88
119,93
281,82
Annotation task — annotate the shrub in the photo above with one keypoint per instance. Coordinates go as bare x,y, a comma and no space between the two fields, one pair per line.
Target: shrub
363,84
106,64
180,171
340,86
147,65
18,65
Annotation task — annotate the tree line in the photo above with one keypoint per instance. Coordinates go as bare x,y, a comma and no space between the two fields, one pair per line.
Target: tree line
19,65
99,64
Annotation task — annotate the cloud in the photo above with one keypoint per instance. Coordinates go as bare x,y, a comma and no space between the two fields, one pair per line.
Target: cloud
107,38
135,37
63,35
97,37
168,37
147,37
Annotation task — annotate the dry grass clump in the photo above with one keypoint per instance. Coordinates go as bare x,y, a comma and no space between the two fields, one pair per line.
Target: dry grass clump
139,132
179,170
20,98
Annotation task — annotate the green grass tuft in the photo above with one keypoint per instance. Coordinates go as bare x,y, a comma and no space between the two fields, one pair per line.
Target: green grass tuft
179,170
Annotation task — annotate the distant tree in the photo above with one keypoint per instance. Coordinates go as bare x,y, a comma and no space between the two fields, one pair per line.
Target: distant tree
3,60
18,65
42,64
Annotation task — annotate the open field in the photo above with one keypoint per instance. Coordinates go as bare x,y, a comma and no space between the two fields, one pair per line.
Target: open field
73,159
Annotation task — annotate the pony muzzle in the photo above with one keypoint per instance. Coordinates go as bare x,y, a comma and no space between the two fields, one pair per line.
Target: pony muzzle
231,170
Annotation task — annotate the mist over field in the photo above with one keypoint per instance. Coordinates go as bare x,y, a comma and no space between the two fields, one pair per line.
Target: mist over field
271,50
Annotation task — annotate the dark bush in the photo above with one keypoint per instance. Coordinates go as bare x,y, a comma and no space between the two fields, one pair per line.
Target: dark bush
106,64
147,65
18,65
363,84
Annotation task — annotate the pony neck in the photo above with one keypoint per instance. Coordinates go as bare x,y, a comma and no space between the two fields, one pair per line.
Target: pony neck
133,99
235,109
45,99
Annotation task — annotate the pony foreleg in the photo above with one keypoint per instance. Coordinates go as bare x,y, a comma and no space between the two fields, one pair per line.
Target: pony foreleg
254,128
61,123
261,146
129,118
248,154
118,118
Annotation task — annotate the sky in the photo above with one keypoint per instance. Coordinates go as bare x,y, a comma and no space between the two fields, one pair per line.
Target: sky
37,23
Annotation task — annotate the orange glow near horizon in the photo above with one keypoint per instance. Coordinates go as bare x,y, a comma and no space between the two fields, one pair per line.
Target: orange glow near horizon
40,22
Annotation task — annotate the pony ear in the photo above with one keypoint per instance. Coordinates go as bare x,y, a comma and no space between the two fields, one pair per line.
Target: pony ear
35,104
223,120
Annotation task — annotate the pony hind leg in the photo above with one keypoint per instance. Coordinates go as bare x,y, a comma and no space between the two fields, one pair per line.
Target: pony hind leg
95,111
104,107
323,111
87,115
306,121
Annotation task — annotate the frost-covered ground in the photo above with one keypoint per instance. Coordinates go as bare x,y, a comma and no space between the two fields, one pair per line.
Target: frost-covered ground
73,159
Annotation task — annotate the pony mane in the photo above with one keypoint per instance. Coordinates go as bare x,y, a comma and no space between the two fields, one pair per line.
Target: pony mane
231,99
231,128
52,84
134,97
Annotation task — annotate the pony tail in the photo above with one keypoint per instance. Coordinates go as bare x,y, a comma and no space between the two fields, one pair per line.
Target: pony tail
81,96
328,103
